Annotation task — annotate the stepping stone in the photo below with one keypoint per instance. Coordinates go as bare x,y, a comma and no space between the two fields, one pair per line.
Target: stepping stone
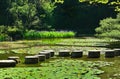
41,57
93,53
16,58
117,52
47,54
76,54
51,51
31,59
7,63
109,53
64,53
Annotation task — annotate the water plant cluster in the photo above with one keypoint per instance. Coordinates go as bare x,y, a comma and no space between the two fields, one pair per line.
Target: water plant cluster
48,34
57,69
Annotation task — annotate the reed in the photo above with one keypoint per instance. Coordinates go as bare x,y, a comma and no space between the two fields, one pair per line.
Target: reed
48,34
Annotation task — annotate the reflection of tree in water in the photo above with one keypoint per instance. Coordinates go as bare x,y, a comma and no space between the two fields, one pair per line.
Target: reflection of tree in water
115,44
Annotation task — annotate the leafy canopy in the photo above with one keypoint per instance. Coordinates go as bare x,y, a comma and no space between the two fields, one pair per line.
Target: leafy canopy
113,3
109,27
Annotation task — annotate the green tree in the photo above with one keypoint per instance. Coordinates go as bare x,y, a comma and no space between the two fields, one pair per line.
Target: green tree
24,13
109,27
32,14
48,8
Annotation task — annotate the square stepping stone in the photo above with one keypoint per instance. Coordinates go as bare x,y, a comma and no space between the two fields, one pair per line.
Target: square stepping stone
109,53
31,59
7,63
76,54
93,53
64,53
16,58
46,53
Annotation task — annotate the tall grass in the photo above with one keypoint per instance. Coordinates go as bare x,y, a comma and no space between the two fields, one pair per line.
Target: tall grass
48,34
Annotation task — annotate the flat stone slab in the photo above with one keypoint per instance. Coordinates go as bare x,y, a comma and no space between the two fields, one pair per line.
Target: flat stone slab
93,53
109,53
31,59
16,58
41,57
7,63
64,53
51,51
76,54
117,52
46,53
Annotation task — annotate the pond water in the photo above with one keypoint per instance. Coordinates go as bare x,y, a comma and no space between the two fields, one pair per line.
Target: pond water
110,72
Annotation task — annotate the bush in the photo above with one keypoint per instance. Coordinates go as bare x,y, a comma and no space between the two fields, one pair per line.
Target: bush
3,29
15,33
48,34
4,37
112,34
109,27
3,33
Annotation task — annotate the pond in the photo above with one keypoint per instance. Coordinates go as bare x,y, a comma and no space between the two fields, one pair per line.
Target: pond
62,67
110,66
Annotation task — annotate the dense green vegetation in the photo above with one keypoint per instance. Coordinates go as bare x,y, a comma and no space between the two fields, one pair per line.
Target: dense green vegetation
64,69
15,34
80,16
45,34
18,16
109,27
24,22
99,68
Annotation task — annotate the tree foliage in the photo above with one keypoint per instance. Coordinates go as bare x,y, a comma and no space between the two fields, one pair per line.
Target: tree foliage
82,17
109,27
114,3
32,14
24,13
48,8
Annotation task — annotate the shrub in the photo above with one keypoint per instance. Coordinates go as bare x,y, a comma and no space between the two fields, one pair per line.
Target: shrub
109,27
3,33
4,37
32,34
15,33
3,29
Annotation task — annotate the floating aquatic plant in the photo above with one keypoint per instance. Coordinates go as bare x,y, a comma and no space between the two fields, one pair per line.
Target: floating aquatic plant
57,69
